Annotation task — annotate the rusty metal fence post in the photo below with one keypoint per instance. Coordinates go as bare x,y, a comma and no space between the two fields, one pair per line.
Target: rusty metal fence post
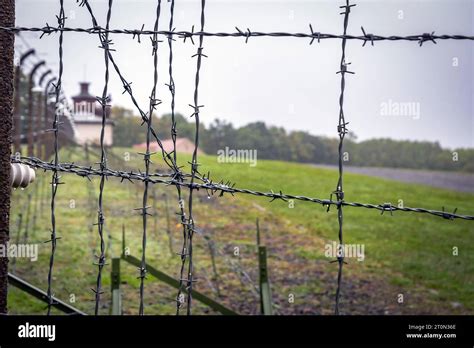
7,39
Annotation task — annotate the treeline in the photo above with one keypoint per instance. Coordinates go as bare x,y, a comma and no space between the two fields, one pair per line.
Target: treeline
297,146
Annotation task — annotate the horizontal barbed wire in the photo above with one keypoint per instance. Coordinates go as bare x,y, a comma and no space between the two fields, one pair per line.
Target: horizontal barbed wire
420,38
221,188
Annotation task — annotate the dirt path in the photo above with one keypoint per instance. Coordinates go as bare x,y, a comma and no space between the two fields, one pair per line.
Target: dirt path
297,270
462,182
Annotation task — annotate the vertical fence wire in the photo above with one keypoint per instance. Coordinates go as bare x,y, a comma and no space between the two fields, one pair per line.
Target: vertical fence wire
101,262
183,254
342,131
194,163
55,178
154,102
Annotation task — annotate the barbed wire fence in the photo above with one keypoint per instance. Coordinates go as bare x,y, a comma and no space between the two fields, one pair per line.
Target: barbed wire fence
175,176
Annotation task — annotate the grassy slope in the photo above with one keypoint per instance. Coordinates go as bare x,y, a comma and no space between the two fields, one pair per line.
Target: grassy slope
410,249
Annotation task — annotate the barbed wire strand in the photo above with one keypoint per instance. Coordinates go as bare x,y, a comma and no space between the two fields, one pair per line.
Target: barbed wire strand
154,102
194,164
222,188
177,174
312,35
342,130
103,101
55,182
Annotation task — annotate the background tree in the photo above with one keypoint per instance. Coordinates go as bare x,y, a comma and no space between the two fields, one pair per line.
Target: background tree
297,146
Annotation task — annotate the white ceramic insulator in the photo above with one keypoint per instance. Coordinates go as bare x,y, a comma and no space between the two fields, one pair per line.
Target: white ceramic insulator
21,175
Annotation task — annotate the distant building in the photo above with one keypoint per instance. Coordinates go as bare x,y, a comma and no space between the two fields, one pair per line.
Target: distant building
183,145
87,117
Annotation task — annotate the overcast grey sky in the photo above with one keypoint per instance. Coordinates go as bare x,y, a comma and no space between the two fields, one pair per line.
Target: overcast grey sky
284,81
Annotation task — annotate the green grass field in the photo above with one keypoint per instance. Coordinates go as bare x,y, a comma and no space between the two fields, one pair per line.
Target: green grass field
407,253
415,248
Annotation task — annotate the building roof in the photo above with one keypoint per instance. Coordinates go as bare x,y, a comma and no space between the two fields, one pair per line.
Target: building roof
93,108
183,145
84,91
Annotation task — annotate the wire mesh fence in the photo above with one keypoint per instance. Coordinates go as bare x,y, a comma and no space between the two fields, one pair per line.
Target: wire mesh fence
174,175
